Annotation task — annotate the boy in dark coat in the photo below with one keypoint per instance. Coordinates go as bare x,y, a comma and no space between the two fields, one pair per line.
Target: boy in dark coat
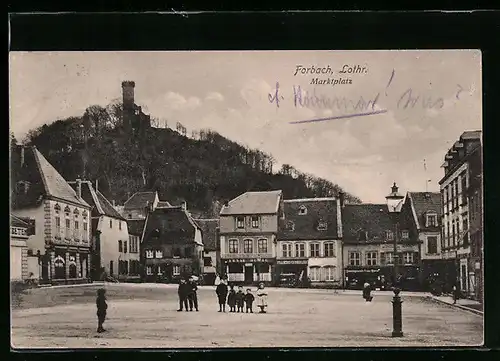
102,306
183,292
239,299
231,299
193,296
249,298
221,292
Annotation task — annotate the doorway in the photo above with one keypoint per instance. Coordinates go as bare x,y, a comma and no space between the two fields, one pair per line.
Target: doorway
248,274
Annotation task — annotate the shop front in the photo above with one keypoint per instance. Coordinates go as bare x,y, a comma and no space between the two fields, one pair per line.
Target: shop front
249,271
292,273
357,276
66,265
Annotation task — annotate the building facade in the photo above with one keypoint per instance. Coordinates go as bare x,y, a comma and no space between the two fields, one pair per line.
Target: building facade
426,210
113,252
454,188
248,236
172,246
368,247
211,249
62,218
20,231
309,244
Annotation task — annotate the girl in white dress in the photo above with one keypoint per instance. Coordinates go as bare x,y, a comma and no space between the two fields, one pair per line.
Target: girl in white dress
262,298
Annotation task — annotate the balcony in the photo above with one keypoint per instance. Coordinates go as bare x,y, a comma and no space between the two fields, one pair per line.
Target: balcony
246,255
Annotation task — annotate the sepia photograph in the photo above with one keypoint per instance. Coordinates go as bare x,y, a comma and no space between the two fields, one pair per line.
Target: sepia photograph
228,199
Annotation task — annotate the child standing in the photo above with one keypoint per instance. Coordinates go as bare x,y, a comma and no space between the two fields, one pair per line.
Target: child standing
183,292
239,299
262,298
249,298
231,299
102,306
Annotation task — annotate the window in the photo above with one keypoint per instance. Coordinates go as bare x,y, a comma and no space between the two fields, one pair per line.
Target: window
233,246
149,271
300,250
371,258
159,253
405,234
453,234
58,226
255,222
207,261
354,258
76,231
176,271
329,249
389,258
120,246
314,274
315,250
262,245
262,268
389,236
302,210
431,220
110,223
176,252
149,254
248,246
158,270
287,250
322,226
120,225
125,248
240,222
432,245
85,230
408,257
465,232
329,273
68,228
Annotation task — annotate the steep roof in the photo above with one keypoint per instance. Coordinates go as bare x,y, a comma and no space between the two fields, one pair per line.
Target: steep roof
423,202
136,226
253,203
305,226
170,224
44,181
140,200
18,222
209,233
100,205
374,219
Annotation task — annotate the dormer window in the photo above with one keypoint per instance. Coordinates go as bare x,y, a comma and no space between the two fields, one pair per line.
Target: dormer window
302,210
405,234
57,207
290,226
431,220
240,222
84,214
22,187
76,212
67,210
322,226
389,236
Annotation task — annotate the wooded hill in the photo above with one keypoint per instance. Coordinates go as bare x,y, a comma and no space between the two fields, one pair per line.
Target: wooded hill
204,170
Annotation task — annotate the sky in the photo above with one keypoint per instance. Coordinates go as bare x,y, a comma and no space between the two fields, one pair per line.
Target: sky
421,102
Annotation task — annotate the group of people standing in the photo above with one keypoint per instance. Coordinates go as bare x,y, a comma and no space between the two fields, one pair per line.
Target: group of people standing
188,297
237,300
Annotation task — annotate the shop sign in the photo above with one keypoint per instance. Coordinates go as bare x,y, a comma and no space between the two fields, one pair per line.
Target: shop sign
294,261
363,270
247,260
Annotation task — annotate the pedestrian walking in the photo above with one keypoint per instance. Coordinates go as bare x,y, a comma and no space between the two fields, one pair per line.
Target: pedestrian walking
102,307
183,292
249,298
262,298
456,294
193,294
240,295
231,299
367,289
221,291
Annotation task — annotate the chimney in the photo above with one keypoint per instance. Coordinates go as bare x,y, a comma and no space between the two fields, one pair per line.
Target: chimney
184,206
128,94
114,205
341,199
79,187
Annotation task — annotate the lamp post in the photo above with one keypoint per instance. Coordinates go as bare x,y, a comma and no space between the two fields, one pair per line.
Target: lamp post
394,203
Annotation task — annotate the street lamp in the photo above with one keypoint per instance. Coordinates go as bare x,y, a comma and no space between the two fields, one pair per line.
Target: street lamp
394,202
